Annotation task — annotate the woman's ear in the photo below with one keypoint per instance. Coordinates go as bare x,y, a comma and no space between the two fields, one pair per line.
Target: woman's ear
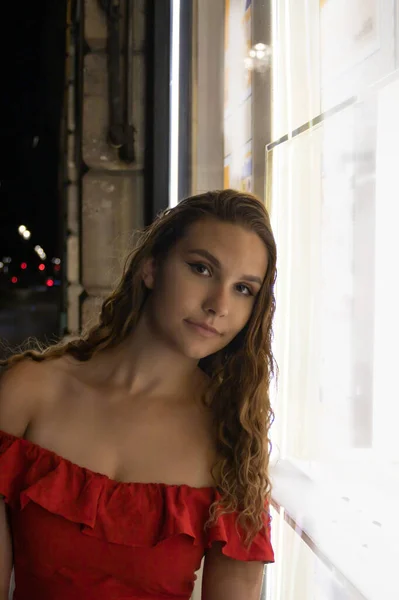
148,273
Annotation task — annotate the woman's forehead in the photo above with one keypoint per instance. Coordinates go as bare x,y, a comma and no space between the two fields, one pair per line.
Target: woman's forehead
210,227
229,243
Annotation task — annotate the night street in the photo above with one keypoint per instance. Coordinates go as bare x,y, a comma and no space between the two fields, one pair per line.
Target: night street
26,314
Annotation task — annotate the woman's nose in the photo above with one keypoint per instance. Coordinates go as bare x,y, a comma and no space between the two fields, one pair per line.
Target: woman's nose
218,302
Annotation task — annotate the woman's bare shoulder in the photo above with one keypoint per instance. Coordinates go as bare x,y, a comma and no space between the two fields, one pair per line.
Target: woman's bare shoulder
25,388
23,375
29,373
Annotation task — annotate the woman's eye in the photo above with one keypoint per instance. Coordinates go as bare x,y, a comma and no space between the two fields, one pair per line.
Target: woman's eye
249,291
196,266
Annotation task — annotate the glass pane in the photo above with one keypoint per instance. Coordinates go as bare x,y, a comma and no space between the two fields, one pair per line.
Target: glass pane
335,215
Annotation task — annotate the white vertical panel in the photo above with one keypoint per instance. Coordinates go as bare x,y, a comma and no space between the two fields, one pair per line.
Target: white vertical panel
296,64
386,388
296,208
174,104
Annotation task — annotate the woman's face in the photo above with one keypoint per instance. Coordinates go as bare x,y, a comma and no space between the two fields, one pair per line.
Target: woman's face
212,276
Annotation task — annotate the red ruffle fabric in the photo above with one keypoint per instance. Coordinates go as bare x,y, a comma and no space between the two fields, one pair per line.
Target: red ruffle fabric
80,534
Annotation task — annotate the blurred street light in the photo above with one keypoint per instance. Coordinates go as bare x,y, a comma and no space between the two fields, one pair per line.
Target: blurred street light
259,58
39,250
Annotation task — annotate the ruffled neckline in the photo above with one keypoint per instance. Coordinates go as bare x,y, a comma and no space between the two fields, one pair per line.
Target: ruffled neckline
135,514
103,476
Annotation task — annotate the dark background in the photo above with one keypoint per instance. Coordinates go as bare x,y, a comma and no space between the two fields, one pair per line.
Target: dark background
33,162
32,99
33,42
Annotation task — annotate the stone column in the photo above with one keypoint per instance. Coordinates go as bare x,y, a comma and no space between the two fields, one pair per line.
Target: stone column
112,191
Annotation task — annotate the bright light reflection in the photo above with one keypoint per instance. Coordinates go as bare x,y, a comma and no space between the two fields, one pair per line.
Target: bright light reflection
174,106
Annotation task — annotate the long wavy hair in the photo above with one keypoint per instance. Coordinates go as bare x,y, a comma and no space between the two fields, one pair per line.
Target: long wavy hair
240,374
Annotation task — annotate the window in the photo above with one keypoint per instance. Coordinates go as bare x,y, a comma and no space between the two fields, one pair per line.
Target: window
333,205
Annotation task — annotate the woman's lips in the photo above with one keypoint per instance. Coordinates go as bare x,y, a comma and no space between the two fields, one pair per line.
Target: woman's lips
201,330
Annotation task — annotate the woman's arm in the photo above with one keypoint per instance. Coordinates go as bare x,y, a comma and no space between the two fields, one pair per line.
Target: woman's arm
5,553
224,577
19,393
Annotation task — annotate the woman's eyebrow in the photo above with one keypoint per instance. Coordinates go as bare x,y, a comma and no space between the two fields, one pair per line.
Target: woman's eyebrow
217,264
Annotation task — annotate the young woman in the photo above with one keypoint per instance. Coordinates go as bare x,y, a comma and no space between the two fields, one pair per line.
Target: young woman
130,453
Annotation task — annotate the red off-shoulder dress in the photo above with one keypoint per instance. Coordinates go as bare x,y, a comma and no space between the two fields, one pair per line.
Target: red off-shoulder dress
80,535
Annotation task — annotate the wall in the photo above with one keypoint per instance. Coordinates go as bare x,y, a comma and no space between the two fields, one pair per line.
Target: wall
108,207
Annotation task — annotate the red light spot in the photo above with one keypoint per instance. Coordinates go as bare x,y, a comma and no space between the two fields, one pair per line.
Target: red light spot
24,265
57,267
49,283
42,267
14,279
